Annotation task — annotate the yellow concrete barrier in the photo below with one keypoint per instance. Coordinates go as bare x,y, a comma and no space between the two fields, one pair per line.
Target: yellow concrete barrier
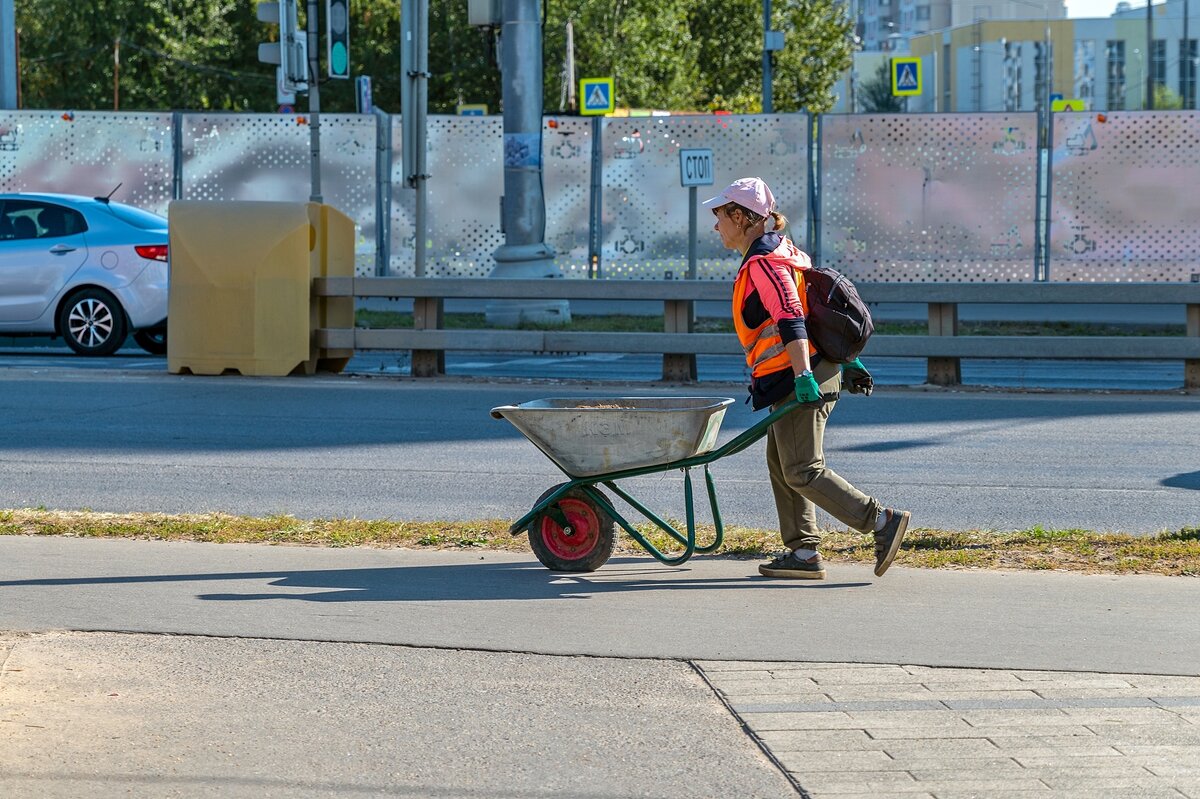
240,294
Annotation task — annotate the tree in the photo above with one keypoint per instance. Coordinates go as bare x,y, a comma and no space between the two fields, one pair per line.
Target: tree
202,54
1166,99
169,57
645,45
817,50
875,94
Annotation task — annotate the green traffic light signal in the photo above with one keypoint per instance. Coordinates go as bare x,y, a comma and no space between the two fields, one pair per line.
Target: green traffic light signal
337,19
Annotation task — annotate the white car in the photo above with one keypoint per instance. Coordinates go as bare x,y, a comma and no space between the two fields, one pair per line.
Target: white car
87,269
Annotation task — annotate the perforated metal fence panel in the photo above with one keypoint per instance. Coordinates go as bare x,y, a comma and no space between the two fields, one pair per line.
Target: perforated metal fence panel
645,211
465,161
88,153
1124,199
567,176
924,197
918,197
268,157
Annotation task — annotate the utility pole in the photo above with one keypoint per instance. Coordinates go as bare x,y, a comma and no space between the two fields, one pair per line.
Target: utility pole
117,74
568,102
1187,58
414,102
8,55
524,253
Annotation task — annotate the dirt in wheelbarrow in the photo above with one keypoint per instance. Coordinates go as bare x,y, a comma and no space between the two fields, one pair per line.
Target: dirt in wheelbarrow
1170,553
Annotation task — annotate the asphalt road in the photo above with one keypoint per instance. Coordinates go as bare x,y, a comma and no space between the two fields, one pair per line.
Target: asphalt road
42,354
399,448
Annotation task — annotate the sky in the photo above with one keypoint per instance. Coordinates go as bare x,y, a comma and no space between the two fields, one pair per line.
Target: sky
1095,8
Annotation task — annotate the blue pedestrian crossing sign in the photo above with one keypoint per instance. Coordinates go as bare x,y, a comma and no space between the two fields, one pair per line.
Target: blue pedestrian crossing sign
597,95
906,77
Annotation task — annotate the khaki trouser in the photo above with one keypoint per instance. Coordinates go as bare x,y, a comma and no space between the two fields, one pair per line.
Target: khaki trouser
800,479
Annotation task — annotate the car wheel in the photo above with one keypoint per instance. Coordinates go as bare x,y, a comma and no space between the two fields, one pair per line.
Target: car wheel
152,341
92,322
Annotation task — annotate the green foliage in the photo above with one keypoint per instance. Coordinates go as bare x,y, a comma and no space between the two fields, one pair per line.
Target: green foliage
202,54
875,93
1166,99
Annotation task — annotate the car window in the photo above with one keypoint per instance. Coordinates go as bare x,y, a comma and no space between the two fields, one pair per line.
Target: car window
137,217
29,219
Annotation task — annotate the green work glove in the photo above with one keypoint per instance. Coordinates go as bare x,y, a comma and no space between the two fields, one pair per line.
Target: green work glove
807,390
857,379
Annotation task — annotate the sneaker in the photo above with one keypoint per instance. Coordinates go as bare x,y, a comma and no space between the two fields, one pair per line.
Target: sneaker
887,540
788,565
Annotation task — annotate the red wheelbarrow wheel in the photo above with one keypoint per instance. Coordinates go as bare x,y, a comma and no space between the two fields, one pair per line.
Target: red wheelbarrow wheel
587,542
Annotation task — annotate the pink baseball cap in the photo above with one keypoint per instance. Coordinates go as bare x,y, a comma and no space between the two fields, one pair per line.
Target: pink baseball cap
750,193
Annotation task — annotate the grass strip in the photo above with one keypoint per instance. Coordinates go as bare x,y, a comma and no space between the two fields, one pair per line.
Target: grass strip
1169,553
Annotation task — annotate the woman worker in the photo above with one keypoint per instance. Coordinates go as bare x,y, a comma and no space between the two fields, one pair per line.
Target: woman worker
769,307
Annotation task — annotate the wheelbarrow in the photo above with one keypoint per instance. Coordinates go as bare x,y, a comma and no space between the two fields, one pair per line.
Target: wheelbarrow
598,441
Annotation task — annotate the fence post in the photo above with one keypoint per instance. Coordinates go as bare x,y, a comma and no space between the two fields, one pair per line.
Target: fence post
427,315
1191,367
383,192
677,318
596,198
943,321
1045,184
813,162
177,155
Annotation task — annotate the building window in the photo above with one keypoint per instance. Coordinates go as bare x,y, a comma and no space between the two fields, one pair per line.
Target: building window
1085,71
923,13
1114,56
1187,72
946,75
1012,76
1158,62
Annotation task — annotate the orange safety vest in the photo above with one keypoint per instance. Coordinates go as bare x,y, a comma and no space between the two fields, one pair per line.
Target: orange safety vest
763,345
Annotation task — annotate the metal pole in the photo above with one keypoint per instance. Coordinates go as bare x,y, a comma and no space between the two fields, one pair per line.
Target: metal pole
414,60
117,74
314,102
691,273
524,253
420,129
812,163
8,55
1046,178
383,191
177,155
767,102
595,231
1149,57
569,83
1185,57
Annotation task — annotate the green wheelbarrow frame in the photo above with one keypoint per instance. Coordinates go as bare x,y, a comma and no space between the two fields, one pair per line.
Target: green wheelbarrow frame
548,507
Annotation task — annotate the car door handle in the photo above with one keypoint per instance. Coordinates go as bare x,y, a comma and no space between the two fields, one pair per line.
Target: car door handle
62,249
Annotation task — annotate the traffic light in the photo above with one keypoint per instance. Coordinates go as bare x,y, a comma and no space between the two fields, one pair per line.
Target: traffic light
337,38
291,51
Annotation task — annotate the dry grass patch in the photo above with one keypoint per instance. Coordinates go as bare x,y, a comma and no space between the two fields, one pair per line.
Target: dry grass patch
1171,553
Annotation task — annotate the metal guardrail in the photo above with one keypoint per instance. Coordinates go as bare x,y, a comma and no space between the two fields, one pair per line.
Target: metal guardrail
943,347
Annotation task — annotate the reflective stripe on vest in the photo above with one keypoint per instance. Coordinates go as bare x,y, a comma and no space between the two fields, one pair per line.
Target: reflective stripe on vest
764,348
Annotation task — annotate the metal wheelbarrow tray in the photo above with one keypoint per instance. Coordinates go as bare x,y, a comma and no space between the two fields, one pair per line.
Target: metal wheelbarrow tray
601,440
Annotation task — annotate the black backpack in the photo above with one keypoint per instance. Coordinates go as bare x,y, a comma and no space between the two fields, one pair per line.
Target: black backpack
838,322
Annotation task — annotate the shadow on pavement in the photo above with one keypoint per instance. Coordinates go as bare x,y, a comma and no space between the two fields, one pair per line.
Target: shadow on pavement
457,583
1184,480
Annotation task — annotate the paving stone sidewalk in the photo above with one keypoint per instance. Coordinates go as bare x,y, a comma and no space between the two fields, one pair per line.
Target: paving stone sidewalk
850,730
